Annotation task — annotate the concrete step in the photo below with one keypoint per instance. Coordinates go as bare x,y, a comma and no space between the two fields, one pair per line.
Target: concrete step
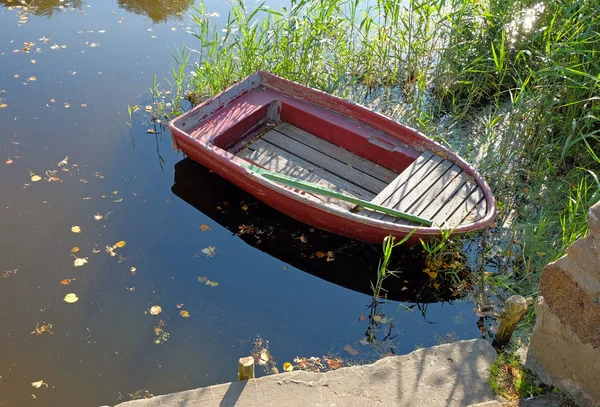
450,375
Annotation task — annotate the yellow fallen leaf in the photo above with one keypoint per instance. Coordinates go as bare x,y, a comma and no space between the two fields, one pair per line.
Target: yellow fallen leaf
76,229
80,262
287,366
155,310
120,244
184,313
3,105
36,178
32,79
38,384
75,249
213,283
71,298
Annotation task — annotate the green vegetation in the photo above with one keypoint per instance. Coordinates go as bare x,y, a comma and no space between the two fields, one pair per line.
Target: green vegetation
509,379
513,86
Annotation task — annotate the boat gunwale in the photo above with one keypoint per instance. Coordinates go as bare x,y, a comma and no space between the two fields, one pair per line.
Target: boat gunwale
346,108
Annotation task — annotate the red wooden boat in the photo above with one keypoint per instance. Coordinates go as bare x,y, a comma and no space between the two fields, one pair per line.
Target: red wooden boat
333,164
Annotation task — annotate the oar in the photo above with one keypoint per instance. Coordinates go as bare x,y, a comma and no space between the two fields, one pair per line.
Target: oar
309,186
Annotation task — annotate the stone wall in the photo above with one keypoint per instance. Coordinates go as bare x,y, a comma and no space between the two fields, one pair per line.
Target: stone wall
565,345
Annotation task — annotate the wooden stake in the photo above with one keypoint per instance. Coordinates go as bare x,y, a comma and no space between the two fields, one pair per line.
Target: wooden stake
515,308
246,368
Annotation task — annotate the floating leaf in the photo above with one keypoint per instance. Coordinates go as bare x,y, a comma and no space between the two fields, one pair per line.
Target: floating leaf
3,105
9,161
330,256
75,249
39,384
76,229
205,228
66,159
148,108
334,364
287,366
80,262
67,281
155,310
32,79
36,178
206,281
184,313
98,216
350,350
44,328
71,298
303,239
209,251
244,207
132,270
120,244
319,255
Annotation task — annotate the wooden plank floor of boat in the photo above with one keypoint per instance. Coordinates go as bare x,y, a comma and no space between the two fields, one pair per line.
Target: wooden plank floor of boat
434,188
431,187
291,151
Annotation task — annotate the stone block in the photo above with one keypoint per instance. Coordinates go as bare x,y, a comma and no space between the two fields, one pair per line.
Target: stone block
558,355
572,304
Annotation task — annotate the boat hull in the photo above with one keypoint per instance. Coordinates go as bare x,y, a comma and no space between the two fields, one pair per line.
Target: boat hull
209,134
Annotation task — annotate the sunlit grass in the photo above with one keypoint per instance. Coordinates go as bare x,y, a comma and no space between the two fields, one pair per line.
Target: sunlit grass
520,78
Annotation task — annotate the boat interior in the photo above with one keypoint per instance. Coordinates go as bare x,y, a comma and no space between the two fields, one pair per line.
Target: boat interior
296,138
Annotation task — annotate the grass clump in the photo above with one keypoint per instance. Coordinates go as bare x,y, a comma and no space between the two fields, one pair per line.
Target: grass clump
511,380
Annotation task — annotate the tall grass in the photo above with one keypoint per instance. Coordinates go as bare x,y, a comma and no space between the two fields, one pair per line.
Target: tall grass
522,77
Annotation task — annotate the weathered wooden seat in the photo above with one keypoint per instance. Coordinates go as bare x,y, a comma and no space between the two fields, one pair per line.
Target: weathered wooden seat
291,151
434,188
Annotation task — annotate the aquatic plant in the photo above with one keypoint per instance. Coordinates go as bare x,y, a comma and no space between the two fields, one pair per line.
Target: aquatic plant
513,85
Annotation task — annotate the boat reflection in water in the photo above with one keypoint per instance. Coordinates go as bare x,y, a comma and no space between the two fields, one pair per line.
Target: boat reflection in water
352,264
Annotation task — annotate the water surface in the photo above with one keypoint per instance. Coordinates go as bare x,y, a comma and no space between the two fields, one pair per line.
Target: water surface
68,71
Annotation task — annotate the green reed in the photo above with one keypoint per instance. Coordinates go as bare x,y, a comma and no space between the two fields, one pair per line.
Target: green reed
522,77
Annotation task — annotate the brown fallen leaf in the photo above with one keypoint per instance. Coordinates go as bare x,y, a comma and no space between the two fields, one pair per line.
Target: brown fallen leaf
319,255
67,281
334,364
350,350
205,228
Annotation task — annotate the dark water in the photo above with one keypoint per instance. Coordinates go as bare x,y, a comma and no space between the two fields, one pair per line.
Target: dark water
103,346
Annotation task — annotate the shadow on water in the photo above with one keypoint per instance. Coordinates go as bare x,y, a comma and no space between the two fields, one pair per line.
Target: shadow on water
352,264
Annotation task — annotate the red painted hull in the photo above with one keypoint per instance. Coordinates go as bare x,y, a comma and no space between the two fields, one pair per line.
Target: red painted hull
210,129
